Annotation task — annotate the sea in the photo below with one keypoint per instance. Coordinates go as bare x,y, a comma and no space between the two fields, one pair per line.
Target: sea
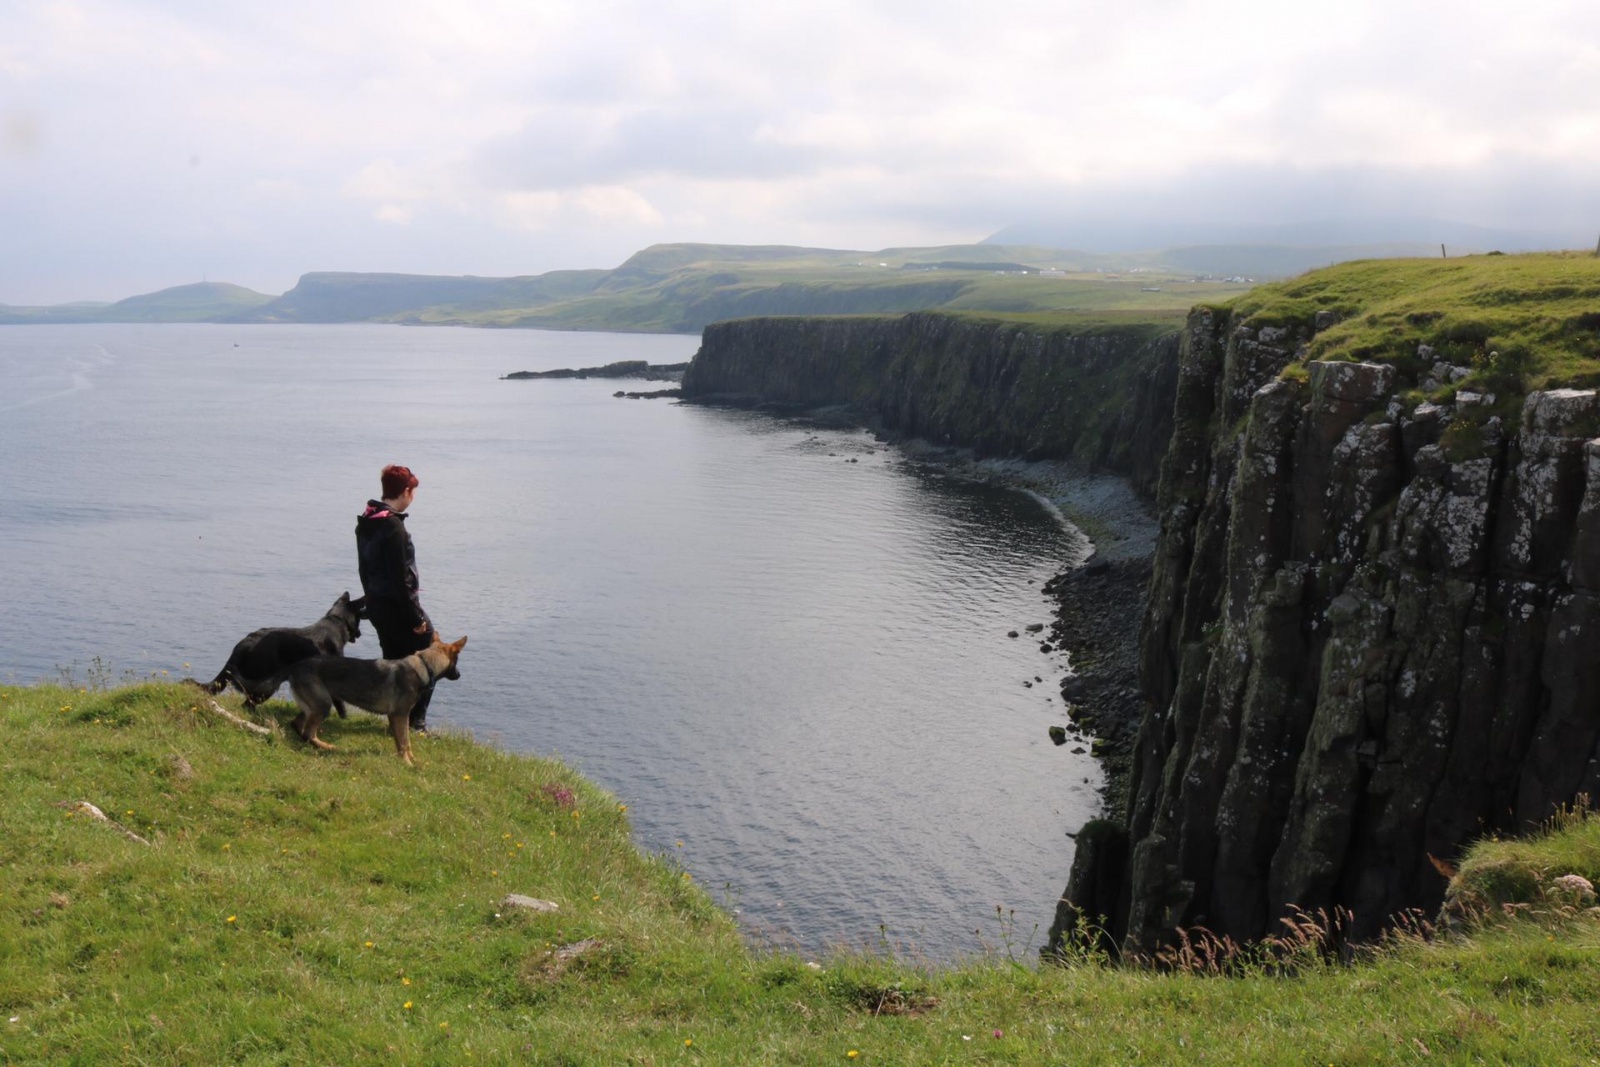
782,644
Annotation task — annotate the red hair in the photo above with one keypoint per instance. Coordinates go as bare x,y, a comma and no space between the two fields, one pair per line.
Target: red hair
396,480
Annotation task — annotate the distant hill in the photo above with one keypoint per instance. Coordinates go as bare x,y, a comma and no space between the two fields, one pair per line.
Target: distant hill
199,302
346,297
679,288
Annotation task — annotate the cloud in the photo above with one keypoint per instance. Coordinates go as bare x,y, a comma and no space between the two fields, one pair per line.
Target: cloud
506,137
564,148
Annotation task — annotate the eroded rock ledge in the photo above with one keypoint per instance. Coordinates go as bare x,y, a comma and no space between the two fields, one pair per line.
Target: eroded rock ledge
1371,636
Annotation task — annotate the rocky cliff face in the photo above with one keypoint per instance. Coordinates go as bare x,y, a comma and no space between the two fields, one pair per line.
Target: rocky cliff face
1370,637
1102,395
1372,620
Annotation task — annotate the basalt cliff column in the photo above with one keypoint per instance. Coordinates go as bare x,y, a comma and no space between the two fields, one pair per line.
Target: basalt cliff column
1370,637
1101,395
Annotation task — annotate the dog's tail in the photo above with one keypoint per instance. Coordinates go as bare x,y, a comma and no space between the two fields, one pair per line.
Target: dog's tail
215,686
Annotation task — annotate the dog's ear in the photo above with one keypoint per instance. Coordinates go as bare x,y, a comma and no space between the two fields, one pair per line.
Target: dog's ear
457,646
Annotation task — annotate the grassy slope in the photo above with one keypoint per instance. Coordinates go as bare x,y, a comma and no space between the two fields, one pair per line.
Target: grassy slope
681,288
689,300
1521,322
295,908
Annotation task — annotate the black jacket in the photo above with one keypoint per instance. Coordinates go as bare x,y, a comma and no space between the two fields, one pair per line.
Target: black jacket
388,565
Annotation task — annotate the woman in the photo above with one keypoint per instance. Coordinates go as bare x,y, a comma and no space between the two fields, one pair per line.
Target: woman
389,577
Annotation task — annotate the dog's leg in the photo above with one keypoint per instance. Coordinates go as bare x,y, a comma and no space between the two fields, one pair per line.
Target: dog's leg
313,724
313,700
316,713
338,705
400,729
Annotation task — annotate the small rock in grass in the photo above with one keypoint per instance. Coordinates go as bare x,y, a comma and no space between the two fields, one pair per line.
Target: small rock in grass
517,900
1576,884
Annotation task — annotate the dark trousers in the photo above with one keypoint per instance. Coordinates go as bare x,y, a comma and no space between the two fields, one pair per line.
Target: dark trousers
397,640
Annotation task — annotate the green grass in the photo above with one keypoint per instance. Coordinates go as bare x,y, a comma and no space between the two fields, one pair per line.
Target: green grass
1521,322
1526,872
289,906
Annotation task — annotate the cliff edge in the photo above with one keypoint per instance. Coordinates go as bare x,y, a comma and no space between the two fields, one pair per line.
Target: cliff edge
1371,632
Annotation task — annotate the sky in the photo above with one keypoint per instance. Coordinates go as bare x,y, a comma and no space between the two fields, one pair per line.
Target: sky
156,143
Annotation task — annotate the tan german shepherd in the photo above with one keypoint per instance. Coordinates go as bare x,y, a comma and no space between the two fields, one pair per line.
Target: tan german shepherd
383,686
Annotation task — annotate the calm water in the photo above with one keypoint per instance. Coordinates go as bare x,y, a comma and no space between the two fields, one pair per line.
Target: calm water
793,664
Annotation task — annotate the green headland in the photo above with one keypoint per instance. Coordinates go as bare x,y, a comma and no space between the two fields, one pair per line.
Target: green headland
250,901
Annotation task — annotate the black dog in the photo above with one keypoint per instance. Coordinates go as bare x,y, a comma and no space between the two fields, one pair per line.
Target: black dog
259,662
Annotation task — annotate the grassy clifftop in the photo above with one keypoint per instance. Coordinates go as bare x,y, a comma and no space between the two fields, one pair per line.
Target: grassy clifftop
282,906
1520,322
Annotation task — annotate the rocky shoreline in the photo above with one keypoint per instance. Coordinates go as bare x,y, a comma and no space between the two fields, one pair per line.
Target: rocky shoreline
1098,607
626,368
